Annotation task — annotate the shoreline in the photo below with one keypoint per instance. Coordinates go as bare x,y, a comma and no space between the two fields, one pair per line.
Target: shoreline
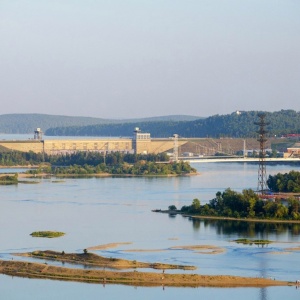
247,220
227,218
26,175
133,278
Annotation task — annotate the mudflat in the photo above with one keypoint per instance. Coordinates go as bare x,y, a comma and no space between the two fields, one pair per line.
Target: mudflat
100,261
135,278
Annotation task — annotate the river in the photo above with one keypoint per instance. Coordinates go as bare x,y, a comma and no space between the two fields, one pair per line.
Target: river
96,211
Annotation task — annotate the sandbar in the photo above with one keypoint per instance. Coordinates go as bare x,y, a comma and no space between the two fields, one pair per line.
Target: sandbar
293,249
107,246
100,261
134,278
145,250
202,249
279,252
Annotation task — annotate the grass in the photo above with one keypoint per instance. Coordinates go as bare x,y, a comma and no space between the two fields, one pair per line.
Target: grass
250,242
9,179
47,234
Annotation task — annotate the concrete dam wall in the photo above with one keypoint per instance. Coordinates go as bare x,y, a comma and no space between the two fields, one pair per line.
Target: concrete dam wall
197,146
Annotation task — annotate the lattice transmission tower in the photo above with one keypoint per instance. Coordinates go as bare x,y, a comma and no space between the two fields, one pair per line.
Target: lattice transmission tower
262,173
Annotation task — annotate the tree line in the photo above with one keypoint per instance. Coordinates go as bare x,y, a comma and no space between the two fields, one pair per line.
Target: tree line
237,125
14,158
286,183
230,125
140,168
83,163
245,205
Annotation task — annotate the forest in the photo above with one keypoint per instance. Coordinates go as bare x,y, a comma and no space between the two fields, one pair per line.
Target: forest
236,125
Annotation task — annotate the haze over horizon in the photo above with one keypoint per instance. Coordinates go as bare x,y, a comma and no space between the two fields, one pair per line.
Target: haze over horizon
133,59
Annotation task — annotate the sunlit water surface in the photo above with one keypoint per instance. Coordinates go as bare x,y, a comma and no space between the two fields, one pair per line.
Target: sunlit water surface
97,211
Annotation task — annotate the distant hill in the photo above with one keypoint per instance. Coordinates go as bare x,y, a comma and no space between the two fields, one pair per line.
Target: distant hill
172,118
27,123
231,125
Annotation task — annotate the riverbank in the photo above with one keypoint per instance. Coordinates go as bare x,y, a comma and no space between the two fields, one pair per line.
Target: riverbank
134,278
19,167
28,175
246,220
173,212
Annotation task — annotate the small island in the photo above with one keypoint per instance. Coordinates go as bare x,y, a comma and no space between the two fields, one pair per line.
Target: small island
9,179
252,242
284,206
47,234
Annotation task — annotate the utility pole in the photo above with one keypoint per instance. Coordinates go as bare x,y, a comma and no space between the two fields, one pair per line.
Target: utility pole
262,174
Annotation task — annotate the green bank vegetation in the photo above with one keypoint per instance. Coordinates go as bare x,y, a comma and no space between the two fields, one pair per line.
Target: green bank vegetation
9,179
245,205
285,183
16,158
47,234
250,205
141,168
89,163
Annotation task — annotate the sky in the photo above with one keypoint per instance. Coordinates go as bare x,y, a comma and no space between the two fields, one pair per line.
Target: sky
142,58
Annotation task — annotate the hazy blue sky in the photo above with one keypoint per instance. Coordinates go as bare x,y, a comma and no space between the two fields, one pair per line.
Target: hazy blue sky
138,58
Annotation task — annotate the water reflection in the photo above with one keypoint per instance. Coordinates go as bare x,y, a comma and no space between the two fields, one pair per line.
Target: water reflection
263,294
106,210
249,229
172,216
196,224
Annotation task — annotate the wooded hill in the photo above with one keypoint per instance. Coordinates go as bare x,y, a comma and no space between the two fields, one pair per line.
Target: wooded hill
27,123
230,125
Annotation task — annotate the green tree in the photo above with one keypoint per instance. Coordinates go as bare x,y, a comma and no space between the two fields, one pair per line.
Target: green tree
172,207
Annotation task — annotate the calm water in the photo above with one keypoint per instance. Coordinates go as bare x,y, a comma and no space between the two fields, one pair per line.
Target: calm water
97,211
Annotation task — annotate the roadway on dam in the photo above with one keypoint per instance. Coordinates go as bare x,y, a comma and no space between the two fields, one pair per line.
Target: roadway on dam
213,159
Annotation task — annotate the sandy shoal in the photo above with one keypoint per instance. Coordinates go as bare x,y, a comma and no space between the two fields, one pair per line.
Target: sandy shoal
38,270
145,250
293,249
107,246
202,249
